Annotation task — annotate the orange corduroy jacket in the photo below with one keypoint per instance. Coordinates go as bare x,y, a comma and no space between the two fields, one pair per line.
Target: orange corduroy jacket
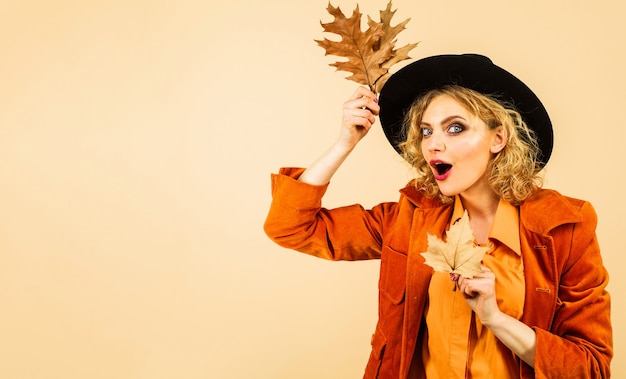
566,302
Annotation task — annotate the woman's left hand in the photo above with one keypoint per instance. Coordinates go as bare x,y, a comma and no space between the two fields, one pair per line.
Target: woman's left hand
480,294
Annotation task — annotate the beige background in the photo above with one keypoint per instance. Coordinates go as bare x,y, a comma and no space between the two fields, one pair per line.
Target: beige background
137,139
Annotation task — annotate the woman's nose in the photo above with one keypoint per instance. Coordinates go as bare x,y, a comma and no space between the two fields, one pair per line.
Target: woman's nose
435,142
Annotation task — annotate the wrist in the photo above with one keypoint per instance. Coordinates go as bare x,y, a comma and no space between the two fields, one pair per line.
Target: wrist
498,319
341,147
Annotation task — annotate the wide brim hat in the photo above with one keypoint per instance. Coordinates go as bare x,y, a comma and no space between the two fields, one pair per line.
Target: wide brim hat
472,71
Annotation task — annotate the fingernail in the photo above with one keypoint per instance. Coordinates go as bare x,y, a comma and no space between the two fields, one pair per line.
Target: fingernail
376,100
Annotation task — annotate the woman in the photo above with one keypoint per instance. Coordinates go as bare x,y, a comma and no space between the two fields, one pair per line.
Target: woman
478,139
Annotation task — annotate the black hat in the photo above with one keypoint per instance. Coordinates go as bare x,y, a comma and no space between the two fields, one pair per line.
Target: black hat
472,71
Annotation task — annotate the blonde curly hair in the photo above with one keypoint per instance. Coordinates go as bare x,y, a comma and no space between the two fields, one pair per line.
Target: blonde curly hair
514,172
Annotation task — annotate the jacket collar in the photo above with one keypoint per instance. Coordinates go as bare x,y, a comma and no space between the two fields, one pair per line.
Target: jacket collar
532,211
418,199
561,210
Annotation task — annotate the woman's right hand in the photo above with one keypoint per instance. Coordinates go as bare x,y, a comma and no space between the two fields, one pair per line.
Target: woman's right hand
359,114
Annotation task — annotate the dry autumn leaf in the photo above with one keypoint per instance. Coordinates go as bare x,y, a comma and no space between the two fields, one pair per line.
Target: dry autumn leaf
458,255
371,52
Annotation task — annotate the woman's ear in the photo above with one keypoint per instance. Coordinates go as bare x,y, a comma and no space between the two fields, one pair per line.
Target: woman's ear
499,139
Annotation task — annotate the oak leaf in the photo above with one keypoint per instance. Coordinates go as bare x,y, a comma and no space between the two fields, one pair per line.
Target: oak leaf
370,53
458,254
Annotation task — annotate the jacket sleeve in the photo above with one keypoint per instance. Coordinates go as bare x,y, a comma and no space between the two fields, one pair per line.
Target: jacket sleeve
297,221
580,342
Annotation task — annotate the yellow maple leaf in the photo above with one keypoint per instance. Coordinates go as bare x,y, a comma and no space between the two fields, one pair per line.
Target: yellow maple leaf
370,53
458,254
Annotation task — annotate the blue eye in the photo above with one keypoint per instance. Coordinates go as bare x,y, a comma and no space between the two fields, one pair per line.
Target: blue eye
426,132
455,129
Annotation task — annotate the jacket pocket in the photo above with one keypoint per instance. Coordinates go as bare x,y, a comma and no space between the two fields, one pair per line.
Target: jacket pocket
372,370
393,274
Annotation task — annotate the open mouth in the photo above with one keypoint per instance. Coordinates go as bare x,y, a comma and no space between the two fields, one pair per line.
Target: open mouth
441,168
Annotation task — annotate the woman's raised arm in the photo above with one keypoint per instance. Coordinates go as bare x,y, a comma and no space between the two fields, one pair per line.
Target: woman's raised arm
359,114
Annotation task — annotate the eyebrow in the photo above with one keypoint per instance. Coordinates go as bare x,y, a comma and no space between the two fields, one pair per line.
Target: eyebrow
445,120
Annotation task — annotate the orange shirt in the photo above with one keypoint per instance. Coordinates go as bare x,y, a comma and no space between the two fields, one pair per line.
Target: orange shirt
456,344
